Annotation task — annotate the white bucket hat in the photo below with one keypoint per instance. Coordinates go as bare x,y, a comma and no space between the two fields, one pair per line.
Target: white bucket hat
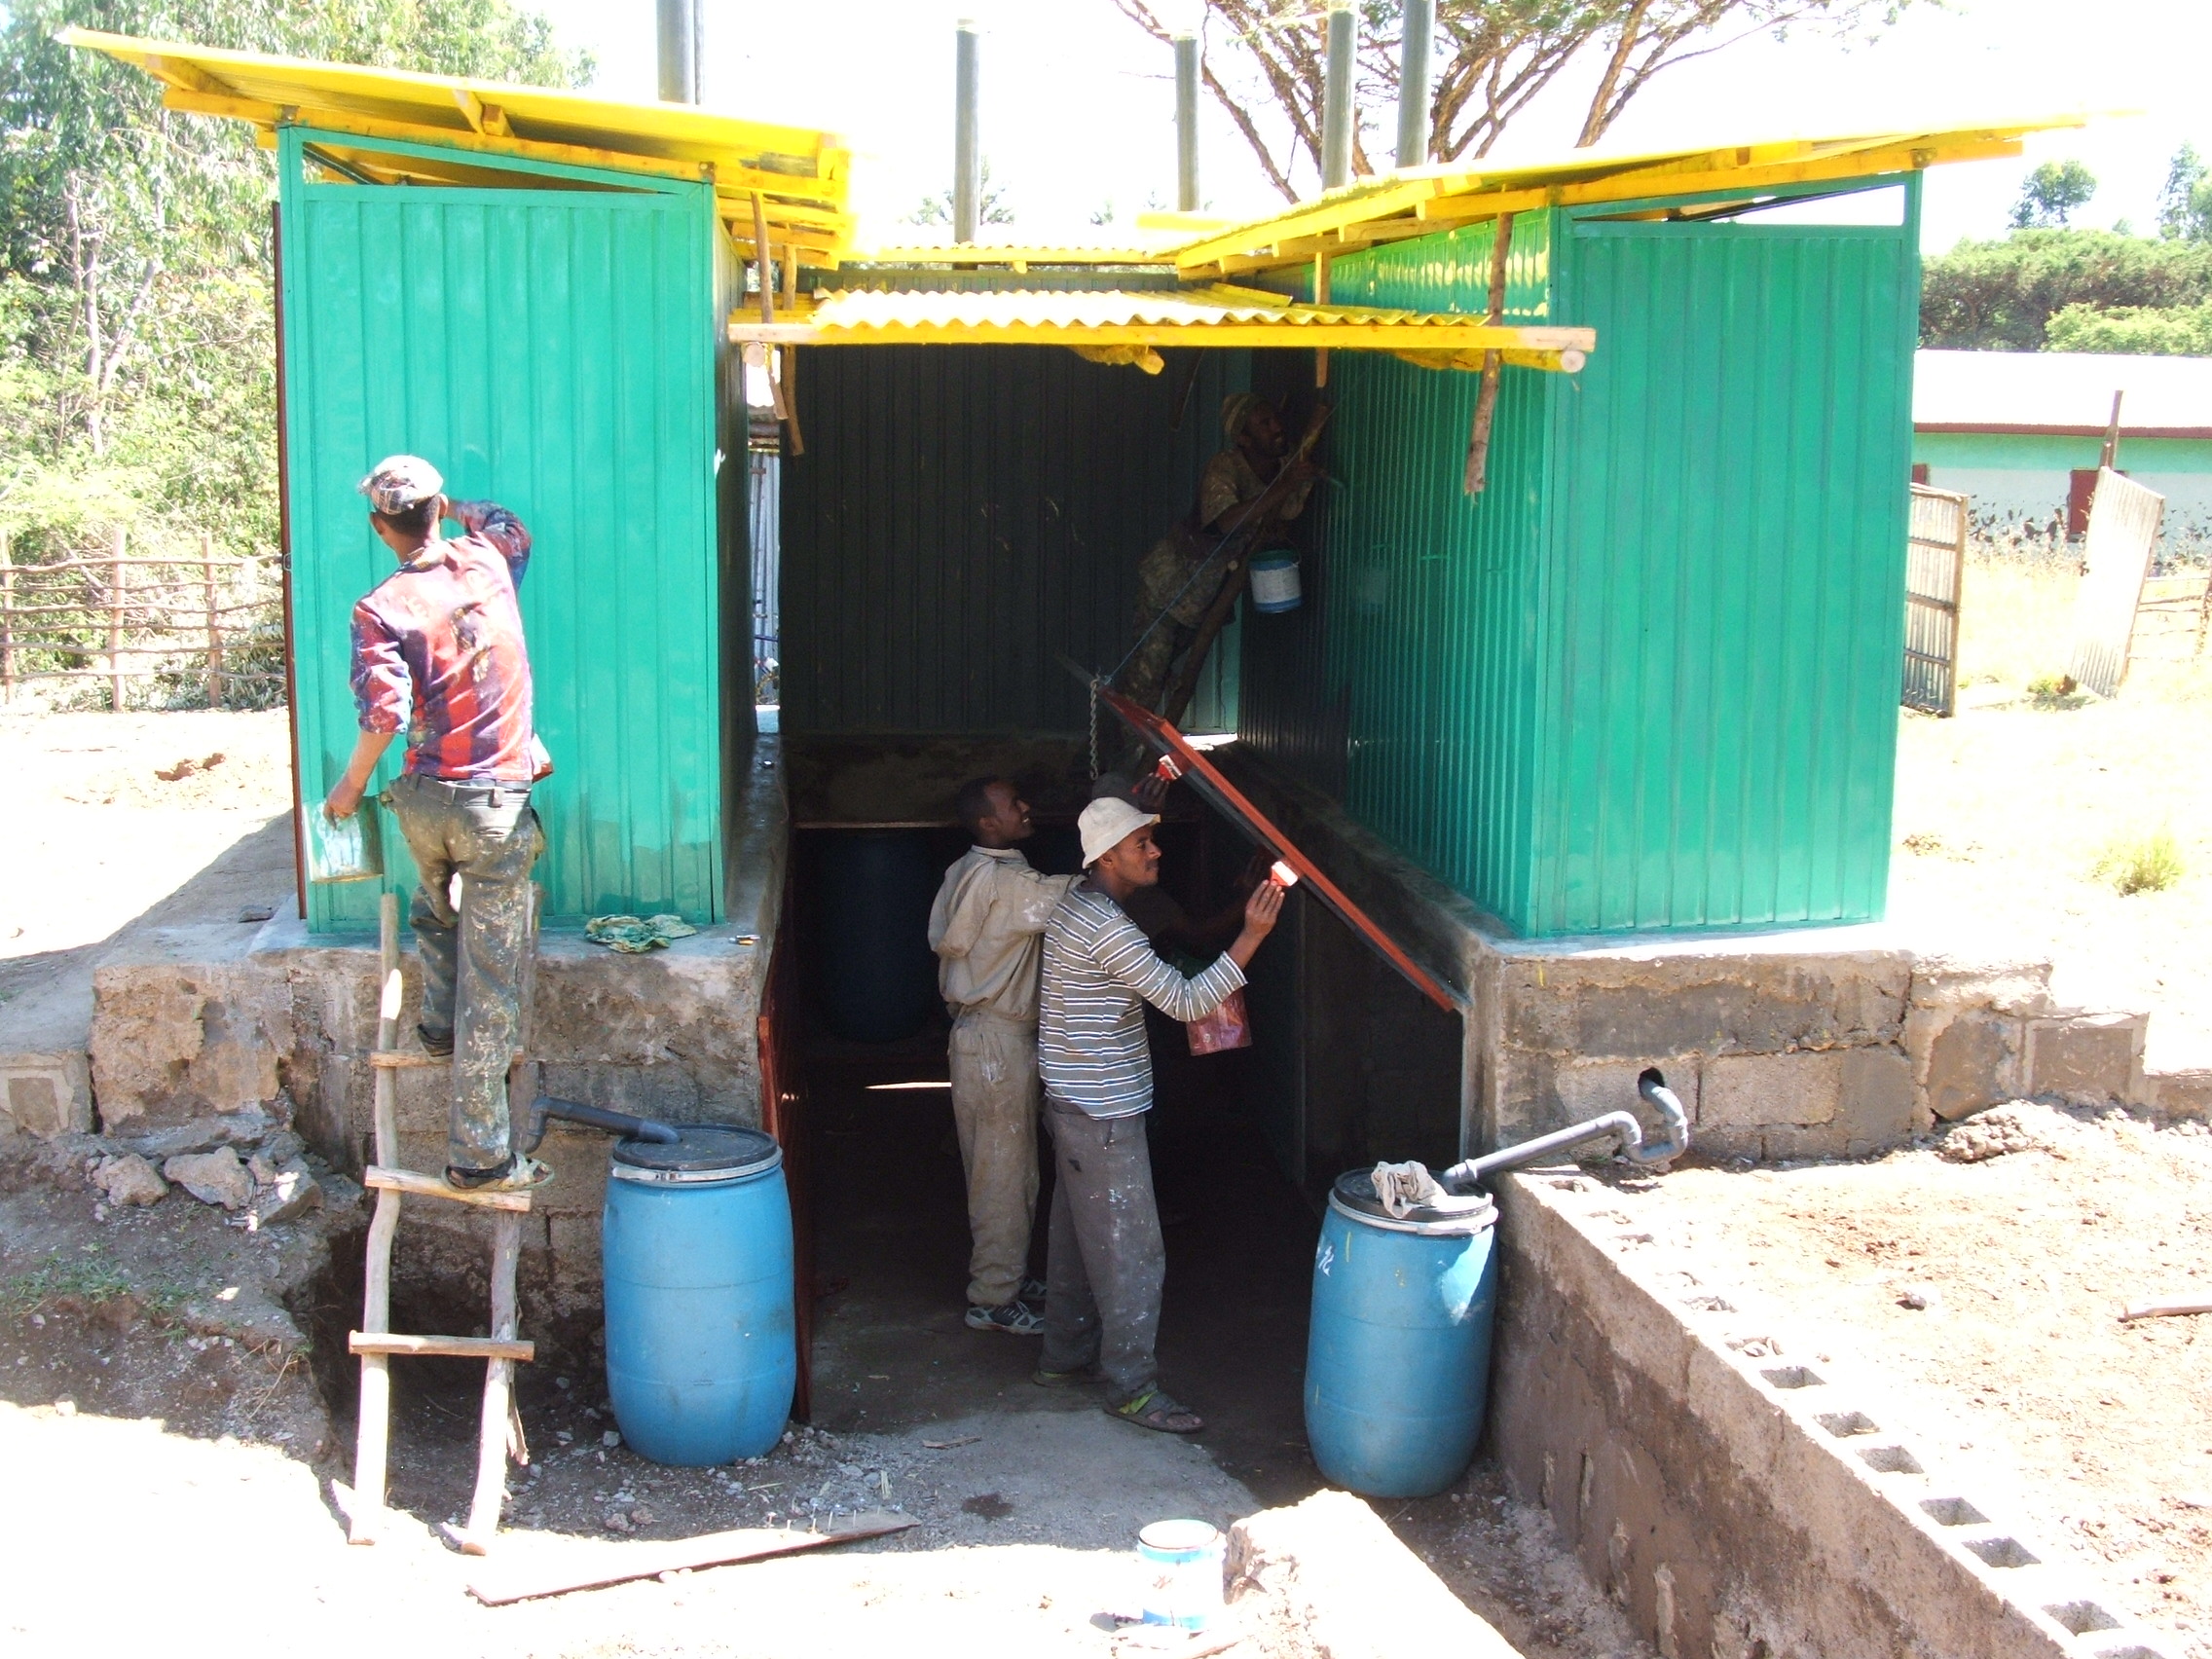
1106,824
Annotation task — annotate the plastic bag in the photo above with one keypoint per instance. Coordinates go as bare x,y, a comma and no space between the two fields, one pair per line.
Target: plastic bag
1229,1026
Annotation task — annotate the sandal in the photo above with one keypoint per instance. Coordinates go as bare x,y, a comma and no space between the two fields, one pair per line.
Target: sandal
1153,1410
518,1173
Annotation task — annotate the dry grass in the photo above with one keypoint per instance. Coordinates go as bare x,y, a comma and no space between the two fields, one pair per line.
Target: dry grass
2063,824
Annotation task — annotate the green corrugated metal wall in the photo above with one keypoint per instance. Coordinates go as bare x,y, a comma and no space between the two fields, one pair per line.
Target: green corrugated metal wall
964,514
1647,682
554,350
1725,612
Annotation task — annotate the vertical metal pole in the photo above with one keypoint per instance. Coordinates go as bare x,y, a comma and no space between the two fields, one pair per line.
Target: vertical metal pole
1414,82
1335,98
1186,124
214,622
966,154
678,28
119,574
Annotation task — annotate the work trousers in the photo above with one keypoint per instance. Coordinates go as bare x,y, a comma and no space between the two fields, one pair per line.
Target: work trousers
994,1106
472,952
1107,1261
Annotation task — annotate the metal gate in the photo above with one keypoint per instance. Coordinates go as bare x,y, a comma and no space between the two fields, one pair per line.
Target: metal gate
1935,562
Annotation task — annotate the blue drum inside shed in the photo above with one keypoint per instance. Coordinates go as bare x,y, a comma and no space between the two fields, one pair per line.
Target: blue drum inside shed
701,1357
1397,1356
878,978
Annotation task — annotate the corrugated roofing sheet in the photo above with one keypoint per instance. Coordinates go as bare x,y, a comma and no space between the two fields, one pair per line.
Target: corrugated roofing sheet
1421,201
800,173
2062,392
1219,316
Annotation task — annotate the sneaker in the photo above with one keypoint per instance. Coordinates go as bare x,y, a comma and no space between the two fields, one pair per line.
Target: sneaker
518,1173
1015,1320
1032,1291
439,1047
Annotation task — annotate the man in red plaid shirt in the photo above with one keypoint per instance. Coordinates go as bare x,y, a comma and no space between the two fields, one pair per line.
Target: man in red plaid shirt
438,647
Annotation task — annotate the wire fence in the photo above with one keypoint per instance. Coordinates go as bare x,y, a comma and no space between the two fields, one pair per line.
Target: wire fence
161,629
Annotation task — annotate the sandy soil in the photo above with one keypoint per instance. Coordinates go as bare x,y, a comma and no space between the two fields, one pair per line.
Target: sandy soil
94,834
1988,1292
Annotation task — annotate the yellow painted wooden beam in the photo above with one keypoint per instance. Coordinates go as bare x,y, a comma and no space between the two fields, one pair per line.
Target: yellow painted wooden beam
981,253
1452,337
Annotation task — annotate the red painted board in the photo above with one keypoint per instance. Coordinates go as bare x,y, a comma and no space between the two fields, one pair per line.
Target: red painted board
1206,778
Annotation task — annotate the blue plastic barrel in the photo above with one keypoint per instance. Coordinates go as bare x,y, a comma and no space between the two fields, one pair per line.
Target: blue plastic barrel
701,1355
878,976
1397,1354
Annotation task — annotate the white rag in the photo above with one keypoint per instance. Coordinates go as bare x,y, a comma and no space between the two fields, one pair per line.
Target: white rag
1405,1187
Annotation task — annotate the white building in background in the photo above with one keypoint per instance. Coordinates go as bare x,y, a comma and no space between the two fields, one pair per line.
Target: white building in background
2020,433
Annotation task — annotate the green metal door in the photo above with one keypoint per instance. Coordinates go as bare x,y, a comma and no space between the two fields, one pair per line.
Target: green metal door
552,348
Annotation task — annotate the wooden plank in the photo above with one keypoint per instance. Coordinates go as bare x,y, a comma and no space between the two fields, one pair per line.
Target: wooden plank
373,1439
449,1348
383,1179
499,1395
594,1564
398,1060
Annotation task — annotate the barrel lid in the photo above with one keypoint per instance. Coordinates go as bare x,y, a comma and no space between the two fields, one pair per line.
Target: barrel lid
703,1152
1455,1212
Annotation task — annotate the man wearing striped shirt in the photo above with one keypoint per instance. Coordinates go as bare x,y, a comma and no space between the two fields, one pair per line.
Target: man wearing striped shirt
1106,1259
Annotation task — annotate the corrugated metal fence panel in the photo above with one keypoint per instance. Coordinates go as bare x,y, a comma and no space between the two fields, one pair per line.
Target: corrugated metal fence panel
1411,673
964,515
553,350
1724,613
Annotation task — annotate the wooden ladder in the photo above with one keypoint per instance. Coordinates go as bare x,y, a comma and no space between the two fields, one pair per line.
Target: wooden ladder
499,1432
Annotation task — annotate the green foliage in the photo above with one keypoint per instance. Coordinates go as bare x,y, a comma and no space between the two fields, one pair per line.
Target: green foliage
137,371
2168,331
2184,204
2050,194
2144,863
991,206
2000,296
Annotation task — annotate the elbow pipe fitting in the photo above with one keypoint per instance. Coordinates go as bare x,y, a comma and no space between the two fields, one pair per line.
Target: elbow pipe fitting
1652,1084
619,1124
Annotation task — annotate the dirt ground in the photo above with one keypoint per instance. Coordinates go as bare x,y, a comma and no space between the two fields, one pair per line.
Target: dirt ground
2003,811
1988,1293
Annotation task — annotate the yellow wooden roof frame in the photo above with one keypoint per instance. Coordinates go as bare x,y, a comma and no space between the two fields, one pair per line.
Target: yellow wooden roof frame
802,175
1421,202
1130,327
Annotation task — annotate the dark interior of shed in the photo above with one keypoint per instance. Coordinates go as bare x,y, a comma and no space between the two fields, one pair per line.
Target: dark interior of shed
964,518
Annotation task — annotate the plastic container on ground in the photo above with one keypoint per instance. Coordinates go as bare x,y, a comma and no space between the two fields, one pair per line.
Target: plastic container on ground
701,1359
1397,1359
1182,1573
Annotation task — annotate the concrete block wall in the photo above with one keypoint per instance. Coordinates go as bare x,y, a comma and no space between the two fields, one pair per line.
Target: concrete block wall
1738,1491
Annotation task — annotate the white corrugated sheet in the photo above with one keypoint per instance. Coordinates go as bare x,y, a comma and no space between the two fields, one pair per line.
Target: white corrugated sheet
2064,392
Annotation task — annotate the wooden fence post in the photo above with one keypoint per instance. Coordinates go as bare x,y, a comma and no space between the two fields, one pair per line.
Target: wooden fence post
119,573
7,619
214,624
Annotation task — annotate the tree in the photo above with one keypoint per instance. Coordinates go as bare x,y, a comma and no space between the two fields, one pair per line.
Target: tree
2050,194
2169,331
1493,58
2184,204
2000,296
991,206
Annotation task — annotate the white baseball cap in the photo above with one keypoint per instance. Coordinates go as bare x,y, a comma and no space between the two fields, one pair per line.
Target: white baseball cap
1106,824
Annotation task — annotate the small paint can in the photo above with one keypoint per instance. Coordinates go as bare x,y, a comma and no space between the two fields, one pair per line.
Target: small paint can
343,849
1274,583
1182,1573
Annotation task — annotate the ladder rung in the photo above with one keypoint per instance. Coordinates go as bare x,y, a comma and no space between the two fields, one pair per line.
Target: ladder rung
458,1347
405,1059
434,1187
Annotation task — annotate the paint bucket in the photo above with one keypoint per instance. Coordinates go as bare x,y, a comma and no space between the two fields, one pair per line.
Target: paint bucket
1182,1573
343,849
1274,583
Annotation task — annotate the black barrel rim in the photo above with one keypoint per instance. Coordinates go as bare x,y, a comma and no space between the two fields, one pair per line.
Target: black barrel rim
1458,1212
703,1152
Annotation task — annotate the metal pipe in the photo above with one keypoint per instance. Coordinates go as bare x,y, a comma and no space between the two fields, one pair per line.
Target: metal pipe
679,21
1335,98
1414,82
966,154
1652,1084
1186,124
